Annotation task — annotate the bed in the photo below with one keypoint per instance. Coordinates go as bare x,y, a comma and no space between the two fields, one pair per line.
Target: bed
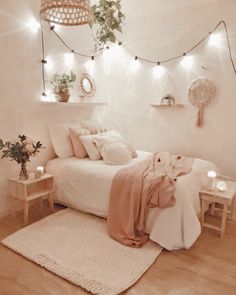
85,185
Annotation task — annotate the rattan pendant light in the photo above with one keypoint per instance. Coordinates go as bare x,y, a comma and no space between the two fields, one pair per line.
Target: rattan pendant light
66,12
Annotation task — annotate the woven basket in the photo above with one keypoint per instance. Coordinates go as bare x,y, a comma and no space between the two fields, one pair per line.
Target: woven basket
66,12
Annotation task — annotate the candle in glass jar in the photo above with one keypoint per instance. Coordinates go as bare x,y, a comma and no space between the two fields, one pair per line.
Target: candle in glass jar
39,172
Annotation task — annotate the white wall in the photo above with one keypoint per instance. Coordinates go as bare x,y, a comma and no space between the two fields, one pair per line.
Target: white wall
155,30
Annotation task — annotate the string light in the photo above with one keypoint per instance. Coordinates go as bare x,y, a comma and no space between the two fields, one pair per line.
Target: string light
33,25
214,39
158,70
69,59
187,61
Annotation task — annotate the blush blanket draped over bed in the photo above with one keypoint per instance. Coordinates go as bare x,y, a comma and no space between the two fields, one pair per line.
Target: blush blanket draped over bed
149,183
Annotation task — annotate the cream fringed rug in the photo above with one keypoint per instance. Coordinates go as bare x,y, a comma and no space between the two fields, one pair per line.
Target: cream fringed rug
76,247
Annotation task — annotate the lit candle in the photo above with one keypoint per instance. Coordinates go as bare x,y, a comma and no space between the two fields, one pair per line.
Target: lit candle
39,172
211,182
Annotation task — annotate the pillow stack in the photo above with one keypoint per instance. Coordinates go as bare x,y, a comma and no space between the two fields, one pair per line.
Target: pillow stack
90,141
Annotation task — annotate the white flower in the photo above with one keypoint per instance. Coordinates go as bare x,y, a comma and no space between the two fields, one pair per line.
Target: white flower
28,140
29,148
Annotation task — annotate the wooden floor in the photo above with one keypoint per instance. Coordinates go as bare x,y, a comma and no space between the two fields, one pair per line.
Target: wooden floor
209,267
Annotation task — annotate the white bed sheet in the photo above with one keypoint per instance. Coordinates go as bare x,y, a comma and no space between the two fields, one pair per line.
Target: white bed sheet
85,185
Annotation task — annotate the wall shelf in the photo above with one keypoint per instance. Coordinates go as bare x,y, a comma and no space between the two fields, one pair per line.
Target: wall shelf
165,106
75,104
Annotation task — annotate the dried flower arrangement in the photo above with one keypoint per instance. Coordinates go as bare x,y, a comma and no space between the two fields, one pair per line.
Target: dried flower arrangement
20,151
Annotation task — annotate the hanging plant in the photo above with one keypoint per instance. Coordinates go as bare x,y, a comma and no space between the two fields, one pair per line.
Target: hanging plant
109,18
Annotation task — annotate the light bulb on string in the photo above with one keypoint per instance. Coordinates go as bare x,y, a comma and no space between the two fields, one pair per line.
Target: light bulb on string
187,61
69,58
158,70
215,39
33,25
134,65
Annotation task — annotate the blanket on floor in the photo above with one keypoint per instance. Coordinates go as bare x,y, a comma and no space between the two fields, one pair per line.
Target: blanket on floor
135,188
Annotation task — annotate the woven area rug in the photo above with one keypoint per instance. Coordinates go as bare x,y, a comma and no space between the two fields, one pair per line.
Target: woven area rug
76,247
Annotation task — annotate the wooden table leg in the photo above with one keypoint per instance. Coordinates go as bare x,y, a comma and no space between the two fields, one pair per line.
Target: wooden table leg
233,208
13,209
212,211
203,210
223,222
50,201
26,212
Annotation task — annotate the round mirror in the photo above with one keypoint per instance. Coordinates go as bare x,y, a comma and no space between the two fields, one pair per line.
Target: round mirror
87,85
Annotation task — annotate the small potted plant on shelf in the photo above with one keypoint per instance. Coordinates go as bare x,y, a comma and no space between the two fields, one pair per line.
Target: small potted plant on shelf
62,83
168,100
20,151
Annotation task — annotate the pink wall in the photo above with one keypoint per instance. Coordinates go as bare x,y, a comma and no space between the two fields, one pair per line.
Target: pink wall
156,31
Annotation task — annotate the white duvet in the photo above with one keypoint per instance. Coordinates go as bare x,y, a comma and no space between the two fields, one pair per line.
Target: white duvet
85,185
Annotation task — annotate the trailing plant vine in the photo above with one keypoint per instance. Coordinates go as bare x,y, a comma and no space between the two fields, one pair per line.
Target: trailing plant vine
109,17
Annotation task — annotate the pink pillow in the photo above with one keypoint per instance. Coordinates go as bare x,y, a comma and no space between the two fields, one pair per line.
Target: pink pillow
78,147
90,146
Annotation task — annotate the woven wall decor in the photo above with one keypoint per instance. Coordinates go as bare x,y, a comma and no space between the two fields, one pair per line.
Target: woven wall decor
201,93
66,12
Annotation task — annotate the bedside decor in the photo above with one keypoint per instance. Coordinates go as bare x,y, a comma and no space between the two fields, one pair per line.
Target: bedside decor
62,83
167,100
226,199
87,85
108,15
66,12
20,151
201,93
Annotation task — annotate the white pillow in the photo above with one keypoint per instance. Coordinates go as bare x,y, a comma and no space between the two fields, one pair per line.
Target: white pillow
90,146
60,139
112,136
116,153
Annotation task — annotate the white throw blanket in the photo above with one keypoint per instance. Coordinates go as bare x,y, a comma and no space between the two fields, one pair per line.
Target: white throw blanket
85,185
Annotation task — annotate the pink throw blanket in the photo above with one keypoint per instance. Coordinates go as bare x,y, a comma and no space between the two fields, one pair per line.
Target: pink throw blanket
135,188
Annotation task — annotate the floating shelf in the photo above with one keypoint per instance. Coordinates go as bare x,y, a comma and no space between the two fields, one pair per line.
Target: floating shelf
166,106
75,104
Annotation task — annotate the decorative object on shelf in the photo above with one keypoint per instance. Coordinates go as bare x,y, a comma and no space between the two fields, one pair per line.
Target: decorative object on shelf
110,18
167,100
20,151
62,83
221,186
87,85
201,93
66,12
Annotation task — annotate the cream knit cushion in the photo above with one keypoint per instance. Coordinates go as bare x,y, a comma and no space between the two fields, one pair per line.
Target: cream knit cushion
116,153
76,247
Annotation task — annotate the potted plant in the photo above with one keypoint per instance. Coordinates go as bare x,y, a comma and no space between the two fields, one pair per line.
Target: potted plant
168,100
62,83
20,151
108,16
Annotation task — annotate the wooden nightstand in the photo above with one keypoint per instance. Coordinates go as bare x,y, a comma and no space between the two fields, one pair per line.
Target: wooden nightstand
226,199
30,189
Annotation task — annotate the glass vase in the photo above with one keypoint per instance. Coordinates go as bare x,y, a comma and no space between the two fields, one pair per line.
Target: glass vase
23,172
